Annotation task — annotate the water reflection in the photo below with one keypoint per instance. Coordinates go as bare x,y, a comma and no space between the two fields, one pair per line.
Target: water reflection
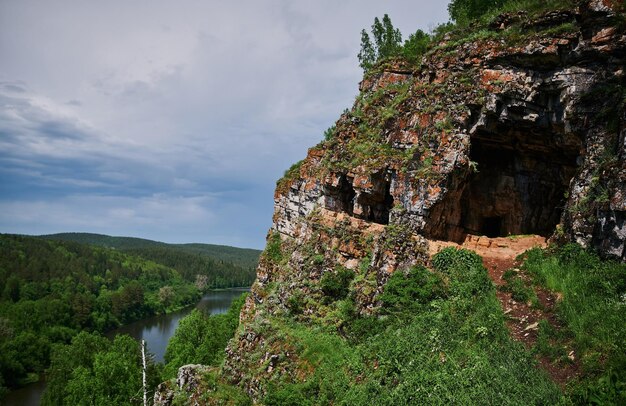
155,330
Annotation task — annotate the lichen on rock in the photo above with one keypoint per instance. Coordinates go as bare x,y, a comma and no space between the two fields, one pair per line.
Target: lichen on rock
518,128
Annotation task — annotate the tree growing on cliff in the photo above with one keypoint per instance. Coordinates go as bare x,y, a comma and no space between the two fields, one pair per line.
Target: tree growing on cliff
387,43
463,11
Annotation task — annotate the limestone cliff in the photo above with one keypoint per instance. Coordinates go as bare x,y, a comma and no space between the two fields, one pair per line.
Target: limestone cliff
513,128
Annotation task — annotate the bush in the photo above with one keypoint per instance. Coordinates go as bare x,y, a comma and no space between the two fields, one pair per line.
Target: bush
273,250
403,292
463,11
416,46
335,285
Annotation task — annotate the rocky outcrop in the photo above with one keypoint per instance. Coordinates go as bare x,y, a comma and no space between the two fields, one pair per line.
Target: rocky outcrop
187,382
517,128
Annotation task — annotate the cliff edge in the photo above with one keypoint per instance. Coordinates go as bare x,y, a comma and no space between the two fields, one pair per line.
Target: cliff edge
513,128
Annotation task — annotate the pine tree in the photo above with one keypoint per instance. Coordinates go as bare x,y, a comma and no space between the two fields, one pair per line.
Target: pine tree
387,43
367,55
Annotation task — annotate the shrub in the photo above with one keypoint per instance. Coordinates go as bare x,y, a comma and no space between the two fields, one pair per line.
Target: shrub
329,134
335,285
463,11
405,291
295,303
273,249
416,46
465,271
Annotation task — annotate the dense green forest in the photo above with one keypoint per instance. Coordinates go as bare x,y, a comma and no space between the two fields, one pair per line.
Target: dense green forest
95,371
244,257
51,290
212,266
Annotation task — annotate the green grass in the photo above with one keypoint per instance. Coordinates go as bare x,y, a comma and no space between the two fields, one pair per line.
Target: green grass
520,290
593,311
440,339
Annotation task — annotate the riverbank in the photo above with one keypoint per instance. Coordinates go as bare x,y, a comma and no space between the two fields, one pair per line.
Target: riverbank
155,330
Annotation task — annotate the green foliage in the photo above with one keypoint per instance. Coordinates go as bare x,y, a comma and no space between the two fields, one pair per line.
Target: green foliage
51,290
223,266
417,287
387,43
245,257
219,392
367,54
519,289
416,46
295,303
201,338
441,340
335,285
465,271
93,370
329,134
463,11
273,250
592,309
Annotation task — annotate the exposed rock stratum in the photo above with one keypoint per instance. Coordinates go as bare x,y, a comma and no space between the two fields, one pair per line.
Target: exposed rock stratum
514,129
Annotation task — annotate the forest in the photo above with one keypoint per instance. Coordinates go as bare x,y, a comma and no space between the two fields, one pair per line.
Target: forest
94,370
52,290
219,266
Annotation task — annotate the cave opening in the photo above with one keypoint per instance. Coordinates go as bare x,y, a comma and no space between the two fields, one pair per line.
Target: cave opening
518,186
340,198
372,204
492,226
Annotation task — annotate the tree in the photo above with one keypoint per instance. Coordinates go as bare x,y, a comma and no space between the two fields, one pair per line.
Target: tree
416,45
387,43
463,11
201,339
367,55
166,295
390,41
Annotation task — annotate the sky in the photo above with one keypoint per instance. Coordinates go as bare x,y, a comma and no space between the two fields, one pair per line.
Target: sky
171,120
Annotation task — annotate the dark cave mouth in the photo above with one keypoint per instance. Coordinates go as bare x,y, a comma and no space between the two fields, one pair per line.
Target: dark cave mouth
373,204
518,189
519,186
492,227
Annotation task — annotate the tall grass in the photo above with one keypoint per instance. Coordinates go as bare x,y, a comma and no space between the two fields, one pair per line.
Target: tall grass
441,340
593,310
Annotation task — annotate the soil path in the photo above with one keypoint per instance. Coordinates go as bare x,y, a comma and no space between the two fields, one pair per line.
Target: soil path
499,255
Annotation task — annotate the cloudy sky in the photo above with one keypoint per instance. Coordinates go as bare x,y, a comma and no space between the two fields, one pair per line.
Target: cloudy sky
171,120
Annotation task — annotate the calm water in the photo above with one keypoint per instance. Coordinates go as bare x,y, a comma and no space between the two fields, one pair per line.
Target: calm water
155,330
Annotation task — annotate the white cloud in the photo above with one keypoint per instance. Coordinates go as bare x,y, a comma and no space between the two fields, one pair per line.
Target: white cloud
177,98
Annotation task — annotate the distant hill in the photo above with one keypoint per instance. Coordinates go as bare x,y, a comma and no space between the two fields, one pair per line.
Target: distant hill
244,257
224,266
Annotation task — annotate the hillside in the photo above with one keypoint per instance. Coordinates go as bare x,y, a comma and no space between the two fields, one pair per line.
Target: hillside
509,126
223,266
52,290
244,257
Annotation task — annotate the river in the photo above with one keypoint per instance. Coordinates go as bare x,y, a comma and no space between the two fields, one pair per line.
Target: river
156,330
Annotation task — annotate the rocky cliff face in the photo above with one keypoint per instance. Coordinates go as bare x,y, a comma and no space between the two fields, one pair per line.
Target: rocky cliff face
514,128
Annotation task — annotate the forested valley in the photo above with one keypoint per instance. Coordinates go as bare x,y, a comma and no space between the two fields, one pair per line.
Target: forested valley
60,296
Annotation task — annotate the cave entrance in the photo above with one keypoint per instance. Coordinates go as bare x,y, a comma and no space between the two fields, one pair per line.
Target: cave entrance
492,226
518,187
372,204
